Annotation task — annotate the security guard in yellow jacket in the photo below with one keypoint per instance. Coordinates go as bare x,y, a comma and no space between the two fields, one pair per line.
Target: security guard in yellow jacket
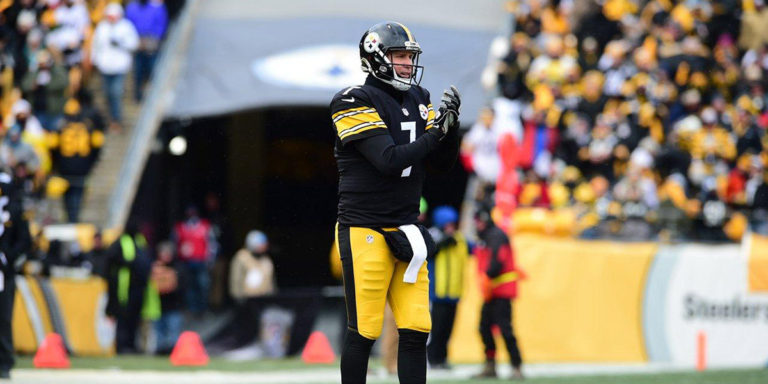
446,281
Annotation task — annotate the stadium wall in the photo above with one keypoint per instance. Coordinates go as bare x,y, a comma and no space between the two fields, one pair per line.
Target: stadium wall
73,308
601,301
583,301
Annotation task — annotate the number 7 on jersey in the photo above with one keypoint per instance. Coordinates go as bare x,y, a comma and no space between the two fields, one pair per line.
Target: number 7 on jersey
409,126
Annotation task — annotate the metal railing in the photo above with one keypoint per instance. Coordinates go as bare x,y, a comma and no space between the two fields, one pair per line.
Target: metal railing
158,99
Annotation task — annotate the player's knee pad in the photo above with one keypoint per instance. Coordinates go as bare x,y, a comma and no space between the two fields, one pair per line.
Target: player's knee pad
416,325
414,316
370,332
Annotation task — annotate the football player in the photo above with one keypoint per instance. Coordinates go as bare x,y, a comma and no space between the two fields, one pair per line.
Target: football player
15,243
386,134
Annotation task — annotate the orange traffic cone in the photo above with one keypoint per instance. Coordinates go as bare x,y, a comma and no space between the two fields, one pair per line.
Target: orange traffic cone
318,350
189,350
51,353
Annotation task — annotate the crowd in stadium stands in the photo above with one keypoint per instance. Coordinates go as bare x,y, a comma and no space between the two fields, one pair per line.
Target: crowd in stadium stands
628,119
50,51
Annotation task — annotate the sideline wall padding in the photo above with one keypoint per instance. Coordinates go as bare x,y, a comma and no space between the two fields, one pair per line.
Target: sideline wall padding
582,301
757,248
82,304
79,314
24,339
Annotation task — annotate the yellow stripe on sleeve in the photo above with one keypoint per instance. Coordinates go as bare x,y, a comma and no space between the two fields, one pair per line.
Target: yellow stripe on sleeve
353,113
430,117
349,121
335,115
361,129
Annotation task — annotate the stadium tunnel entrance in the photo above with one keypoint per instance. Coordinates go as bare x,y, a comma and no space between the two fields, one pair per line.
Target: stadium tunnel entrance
270,169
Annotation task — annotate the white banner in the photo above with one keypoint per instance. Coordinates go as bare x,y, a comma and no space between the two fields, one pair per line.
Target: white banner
707,292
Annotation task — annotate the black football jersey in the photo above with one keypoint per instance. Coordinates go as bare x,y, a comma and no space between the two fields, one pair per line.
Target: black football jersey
368,197
14,230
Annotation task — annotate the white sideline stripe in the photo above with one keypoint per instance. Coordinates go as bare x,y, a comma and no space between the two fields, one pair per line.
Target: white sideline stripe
312,375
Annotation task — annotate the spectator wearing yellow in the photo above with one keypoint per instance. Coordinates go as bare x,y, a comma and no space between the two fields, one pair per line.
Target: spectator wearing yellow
554,19
712,139
76,149
726,72
592,99
615,10
553,67
7,64
754,25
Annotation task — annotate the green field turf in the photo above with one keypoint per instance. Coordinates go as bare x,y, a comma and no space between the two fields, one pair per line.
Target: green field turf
156,363
130,363
711,377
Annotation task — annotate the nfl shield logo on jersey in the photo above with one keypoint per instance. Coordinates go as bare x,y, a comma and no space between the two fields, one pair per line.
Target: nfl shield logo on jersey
369,239
423,111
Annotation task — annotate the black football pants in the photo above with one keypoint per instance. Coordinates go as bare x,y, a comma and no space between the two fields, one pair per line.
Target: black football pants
6,316
443,315
499,312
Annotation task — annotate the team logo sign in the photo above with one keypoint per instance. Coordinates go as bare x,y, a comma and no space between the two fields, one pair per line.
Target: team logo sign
371,42
423,111
334,67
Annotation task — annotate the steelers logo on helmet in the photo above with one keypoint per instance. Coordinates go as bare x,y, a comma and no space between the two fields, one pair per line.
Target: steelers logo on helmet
423,111
371,42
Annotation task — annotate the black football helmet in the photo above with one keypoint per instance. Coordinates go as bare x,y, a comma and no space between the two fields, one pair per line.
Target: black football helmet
381,39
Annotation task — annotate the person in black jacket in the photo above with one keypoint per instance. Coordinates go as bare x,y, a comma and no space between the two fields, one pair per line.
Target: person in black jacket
15,241
166,273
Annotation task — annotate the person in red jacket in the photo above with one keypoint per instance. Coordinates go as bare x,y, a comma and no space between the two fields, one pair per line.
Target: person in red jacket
197,248
498,280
